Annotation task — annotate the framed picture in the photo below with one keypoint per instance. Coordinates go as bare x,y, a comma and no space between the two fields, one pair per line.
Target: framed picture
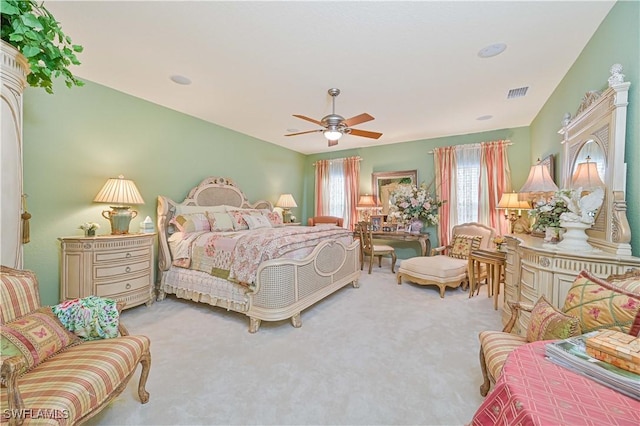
376,222
548,162
401,227
384,183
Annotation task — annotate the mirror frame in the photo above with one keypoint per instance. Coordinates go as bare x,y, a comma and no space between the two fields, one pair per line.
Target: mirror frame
379,177
602,117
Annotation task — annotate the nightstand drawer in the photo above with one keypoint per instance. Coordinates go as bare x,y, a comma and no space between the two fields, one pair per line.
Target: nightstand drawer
114,288
110,256
121,269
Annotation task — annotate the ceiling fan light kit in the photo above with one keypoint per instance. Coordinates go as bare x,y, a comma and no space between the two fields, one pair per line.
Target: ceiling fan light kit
334,125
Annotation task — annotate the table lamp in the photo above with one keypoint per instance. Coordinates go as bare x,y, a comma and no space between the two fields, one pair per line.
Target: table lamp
122,192
539,183
586,176
286,202
366,204
512,207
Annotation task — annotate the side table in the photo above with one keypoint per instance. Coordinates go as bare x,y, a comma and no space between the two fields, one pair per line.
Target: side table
495,261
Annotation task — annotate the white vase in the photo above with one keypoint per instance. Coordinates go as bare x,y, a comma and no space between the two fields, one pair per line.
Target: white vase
575,238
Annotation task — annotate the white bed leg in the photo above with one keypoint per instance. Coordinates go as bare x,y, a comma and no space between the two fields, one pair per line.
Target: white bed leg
254,324
161,295
356,284
296,321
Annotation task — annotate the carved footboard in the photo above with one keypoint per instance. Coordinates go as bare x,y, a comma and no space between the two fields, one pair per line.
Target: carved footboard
285,287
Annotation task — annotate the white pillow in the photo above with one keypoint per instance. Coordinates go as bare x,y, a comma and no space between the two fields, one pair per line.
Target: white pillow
256,221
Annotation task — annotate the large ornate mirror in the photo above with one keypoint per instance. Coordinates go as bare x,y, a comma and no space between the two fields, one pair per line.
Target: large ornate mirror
597,135
384,183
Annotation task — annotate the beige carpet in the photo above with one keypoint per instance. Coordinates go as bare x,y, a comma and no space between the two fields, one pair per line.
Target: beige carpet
381,354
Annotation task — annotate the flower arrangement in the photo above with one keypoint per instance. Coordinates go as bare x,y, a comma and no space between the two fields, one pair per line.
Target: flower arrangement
414,202
89,226
499,240
547,212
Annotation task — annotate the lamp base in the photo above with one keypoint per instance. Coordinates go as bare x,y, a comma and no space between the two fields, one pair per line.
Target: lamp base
120,218
286,215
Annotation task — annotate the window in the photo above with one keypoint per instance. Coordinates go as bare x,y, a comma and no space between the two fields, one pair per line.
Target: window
468,177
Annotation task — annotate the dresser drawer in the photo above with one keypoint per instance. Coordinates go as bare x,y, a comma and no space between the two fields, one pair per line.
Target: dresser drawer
117,287
121,269
109,256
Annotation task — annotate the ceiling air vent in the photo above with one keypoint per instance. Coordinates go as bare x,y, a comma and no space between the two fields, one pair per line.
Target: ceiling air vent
517,93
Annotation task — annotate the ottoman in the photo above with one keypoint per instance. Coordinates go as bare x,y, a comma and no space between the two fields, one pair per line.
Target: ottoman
443,271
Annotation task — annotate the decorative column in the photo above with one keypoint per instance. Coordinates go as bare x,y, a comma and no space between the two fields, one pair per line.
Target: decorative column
13,74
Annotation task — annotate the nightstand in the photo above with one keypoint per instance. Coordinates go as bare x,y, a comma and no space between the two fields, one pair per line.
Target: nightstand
113,266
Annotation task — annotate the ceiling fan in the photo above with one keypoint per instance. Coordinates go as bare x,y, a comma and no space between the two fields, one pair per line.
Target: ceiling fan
334,125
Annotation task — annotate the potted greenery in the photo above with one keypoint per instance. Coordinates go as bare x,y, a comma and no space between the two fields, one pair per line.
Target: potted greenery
34,32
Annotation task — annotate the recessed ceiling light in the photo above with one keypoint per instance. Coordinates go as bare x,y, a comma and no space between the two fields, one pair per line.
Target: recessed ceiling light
492,50
484,117
180,79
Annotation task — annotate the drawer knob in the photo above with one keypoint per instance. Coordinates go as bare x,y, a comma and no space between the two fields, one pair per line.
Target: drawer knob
128,255
128,286
127,269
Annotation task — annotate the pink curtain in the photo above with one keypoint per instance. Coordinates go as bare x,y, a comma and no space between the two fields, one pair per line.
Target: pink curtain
322,179
494,181
351,189
446,184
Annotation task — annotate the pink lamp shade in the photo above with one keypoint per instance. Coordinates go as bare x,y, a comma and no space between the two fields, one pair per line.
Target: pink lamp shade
539,182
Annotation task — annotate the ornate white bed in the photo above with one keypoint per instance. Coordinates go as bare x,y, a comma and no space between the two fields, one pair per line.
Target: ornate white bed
282,287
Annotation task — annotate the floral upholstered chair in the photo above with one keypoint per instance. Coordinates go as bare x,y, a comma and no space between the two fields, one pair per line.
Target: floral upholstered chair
447,265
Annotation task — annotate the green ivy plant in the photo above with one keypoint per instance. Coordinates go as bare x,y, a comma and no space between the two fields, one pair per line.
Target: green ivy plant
33,30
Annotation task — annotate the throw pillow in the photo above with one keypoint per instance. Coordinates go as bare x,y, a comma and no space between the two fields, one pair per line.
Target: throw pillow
35,337
220,221
191,222
548,323
599,304
257,221
275,218
463,245
89,318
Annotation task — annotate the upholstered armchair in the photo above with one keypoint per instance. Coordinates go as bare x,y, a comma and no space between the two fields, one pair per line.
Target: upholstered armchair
447,265
317,220
591,304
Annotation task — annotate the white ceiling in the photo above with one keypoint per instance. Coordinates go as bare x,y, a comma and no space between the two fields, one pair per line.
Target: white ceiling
414,66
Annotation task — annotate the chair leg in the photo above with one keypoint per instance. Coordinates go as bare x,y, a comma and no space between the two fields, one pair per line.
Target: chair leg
379,261
486,384
393,262
371,262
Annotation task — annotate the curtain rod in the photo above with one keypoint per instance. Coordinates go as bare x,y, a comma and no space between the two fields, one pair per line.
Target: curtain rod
338,159
474,145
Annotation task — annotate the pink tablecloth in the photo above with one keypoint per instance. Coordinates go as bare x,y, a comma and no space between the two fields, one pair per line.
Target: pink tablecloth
534,391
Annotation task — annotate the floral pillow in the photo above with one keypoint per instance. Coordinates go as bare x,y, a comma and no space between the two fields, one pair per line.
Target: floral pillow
602,305
191,222
237,217
548,323
220,221
463,245
257,221
35,337
274,217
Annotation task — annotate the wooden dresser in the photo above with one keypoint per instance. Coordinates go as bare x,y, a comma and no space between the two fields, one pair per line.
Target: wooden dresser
114,266
533,268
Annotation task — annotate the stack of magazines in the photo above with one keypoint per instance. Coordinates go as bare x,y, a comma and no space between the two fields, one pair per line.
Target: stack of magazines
571,353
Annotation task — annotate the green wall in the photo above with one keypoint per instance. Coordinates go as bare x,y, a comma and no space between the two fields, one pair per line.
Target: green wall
617,40
75,139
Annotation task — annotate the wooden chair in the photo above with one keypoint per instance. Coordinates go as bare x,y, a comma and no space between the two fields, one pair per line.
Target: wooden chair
316,220
367,248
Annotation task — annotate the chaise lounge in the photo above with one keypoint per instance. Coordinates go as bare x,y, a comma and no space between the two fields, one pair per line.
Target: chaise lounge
61,380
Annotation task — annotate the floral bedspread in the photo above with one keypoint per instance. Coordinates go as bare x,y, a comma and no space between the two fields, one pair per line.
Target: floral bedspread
236,255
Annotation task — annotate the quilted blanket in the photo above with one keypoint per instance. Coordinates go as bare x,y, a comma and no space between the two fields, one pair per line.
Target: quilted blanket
236,255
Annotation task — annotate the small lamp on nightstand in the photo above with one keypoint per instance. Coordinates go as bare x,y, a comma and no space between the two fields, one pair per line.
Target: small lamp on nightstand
123,192
287,202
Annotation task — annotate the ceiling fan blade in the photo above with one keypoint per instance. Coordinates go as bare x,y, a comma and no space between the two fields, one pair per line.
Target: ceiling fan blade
333,143
365,133
304,133
358,119
308,119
